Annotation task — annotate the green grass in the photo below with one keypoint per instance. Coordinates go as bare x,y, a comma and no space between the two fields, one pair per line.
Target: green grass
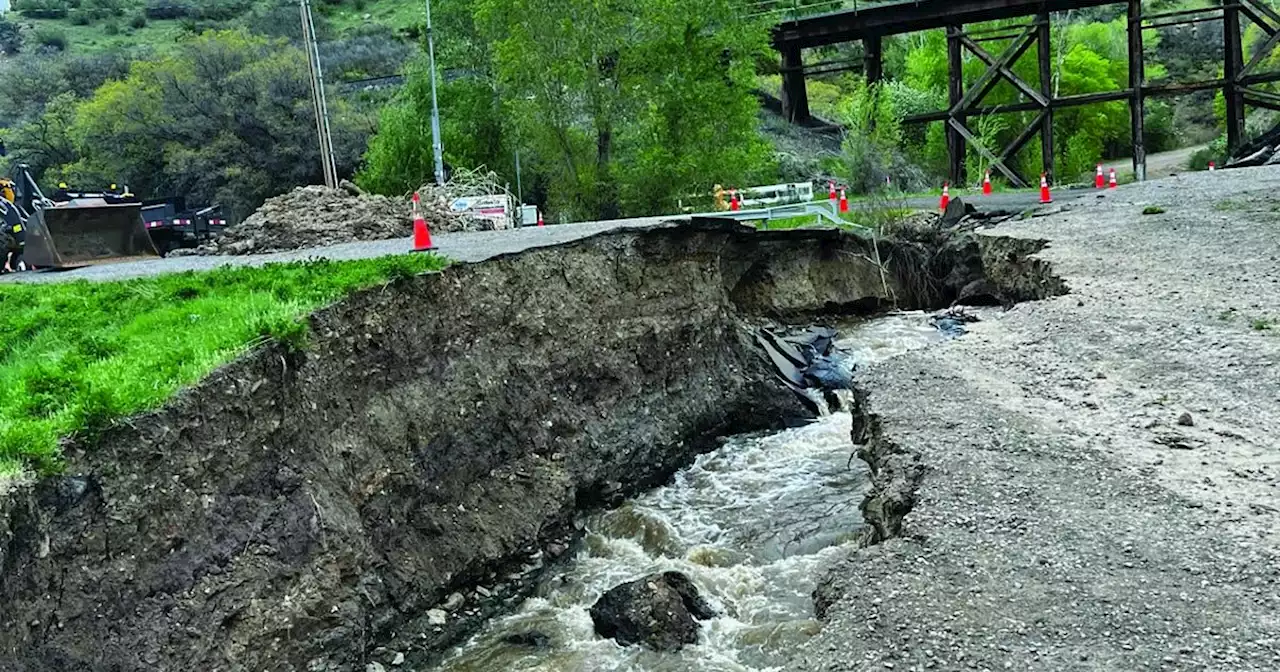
1262,324
395,14
160,35
93,38
79,356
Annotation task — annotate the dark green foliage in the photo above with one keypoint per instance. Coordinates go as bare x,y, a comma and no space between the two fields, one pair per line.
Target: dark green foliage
10,38
51,38
1153,210
1216,152
373,53
225,119
42,9
79,356
167,9
631,108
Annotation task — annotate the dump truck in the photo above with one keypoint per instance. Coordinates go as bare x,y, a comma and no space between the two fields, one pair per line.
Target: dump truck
172,225
73,229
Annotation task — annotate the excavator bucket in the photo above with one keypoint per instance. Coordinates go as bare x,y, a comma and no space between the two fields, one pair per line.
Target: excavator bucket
78,233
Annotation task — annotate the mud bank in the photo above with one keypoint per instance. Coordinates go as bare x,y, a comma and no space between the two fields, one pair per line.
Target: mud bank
419,463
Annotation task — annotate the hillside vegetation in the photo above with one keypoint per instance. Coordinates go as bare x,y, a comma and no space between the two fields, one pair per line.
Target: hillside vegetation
610,108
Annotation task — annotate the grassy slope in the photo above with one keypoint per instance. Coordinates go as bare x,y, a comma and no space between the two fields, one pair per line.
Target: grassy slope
159,35
78,356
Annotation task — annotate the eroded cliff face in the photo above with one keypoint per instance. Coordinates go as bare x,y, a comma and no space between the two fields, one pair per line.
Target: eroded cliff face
299,509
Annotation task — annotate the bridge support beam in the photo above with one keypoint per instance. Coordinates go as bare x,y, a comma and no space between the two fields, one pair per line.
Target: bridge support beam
873,58
1137,105
1045,59
1232,69
795,97
955,97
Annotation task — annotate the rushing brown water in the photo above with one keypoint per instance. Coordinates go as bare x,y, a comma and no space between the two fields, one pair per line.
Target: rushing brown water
752,523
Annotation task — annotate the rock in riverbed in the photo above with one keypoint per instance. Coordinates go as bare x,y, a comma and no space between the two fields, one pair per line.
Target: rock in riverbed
659,611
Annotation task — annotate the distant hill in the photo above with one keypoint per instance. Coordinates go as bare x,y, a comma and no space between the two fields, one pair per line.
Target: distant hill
90,26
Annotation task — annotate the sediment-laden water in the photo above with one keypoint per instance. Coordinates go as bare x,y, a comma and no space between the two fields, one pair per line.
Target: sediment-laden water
751,523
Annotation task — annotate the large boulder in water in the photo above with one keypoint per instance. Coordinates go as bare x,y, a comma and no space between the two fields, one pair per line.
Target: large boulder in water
659,611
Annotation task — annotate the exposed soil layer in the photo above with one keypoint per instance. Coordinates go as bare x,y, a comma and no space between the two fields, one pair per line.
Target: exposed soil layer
1088,482
416,467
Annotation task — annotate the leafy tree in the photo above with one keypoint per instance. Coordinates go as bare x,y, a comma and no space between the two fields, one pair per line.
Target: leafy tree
227,117
627,107
45,142
400,156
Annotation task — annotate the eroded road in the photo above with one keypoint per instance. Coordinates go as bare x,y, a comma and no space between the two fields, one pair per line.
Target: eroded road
1101,484
464,247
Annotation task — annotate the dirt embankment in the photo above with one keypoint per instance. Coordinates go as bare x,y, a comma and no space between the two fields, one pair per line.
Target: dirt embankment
417,466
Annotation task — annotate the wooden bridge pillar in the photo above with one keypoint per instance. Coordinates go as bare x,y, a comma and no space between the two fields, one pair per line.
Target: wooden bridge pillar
1045,59
1137,106
955,94
873,58
795,97
1232,67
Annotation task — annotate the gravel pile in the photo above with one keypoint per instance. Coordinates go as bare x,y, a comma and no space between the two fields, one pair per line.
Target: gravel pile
316,216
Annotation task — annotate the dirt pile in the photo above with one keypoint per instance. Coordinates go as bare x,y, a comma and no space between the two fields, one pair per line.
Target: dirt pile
315,216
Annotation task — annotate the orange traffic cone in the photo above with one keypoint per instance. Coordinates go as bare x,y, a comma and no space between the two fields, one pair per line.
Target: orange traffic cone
1113,178
1211,166
421,234
540,222
986,184
1044,189
734,204
1097,180
831,191
844,201
946,196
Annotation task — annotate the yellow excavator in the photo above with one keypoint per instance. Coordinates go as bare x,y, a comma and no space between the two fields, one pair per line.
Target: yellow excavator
72,229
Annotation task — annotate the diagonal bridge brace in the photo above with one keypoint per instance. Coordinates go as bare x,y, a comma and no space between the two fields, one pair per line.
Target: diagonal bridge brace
1002,69
992,76
1273,36
998,68
997,162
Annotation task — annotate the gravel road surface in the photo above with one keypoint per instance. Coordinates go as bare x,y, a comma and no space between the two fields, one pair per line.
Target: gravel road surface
1102,484
1003,200
467,247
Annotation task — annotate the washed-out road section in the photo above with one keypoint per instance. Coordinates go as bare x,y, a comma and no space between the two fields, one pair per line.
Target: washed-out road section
464,247
1090,482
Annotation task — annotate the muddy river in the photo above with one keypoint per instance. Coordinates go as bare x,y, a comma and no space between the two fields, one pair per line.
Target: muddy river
752,523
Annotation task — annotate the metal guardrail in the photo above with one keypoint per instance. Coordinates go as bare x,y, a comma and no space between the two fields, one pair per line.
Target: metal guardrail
825,210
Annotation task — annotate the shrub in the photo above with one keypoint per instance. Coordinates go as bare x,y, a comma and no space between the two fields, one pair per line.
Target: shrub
1216,152
111,28
52,38
223,10
138,21
160,10
42,9
10,37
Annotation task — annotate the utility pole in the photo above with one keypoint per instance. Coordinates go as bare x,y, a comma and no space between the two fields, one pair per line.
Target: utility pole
327,164
437,146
